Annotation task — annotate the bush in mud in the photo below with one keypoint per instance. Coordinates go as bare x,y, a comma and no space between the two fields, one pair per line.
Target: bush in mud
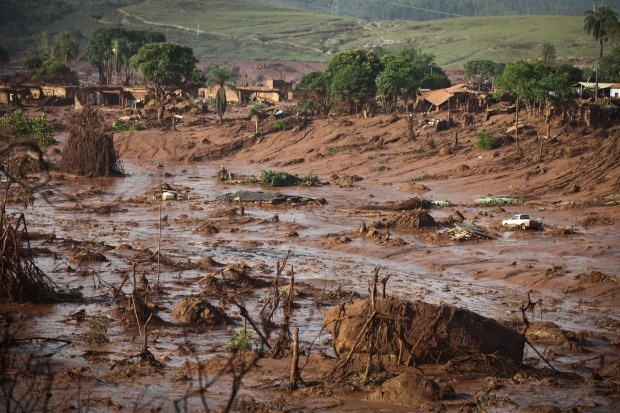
123,127
275,178
281,125
97,329
241,340
486,141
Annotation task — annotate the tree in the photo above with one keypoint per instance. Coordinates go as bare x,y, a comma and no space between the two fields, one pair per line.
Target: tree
166,66
100,52
398,78
548,52
4,58
434,81
353,73
35,59
53,71
66,48
518,80
481,71
597,23
120,55
222,76
312,91
610,66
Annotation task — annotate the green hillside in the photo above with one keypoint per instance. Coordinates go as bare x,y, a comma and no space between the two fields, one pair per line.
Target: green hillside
243,29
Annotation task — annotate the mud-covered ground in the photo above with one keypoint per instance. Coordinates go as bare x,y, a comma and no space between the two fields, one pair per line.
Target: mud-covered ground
228,253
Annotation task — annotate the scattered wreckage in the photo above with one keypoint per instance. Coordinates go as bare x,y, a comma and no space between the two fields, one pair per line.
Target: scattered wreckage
271,198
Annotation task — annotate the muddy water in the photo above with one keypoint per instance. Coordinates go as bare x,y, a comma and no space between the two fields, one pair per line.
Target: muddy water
485,277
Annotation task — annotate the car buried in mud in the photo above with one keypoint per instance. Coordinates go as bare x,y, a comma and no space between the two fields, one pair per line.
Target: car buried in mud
523,221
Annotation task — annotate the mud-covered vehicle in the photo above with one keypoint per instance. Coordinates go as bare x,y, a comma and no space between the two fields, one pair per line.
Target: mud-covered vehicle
523,221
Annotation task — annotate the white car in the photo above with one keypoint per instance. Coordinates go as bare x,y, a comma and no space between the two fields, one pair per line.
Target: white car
523,221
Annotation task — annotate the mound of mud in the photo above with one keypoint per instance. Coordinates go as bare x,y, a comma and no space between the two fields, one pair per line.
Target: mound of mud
408,389
595,277
208,262
432,333
551,334
416,219
407,205
87,257
198,311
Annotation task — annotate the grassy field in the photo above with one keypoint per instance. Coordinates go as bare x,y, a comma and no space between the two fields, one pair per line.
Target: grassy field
252,30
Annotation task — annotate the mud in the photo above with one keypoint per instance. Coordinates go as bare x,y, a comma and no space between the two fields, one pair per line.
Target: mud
218,252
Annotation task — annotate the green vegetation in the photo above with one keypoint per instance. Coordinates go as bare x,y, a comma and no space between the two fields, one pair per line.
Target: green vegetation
166,66
420,177
97,329
281,125
110,49
241,340
15,127
482,71
486,141
123,127
496,201
336,149
441,203
275,179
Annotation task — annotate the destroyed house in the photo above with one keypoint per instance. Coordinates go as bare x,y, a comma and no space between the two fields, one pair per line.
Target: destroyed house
13,95
454,97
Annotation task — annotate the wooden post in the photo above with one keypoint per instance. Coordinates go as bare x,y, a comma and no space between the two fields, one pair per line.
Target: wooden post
295,362
373,287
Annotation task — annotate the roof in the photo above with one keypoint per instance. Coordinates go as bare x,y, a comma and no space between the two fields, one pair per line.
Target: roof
592,85
460,88
437,97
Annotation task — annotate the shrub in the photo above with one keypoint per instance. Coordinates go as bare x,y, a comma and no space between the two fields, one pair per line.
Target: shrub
309,179
97,329
241,340
281,125
122,127
275,178
256,106
485,141
336,149
420,177
29,129
250,181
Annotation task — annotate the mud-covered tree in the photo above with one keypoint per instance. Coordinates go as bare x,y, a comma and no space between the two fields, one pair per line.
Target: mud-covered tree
353,73
399,77
222,77
66,48
166,66
480,71
598,23
312,92
519,81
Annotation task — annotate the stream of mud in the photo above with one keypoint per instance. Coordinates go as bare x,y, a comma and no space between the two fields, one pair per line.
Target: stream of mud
491,278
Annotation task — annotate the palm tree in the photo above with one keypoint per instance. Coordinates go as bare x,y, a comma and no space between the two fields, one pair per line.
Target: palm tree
35,59
597,22
66,48
222,76
120,50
